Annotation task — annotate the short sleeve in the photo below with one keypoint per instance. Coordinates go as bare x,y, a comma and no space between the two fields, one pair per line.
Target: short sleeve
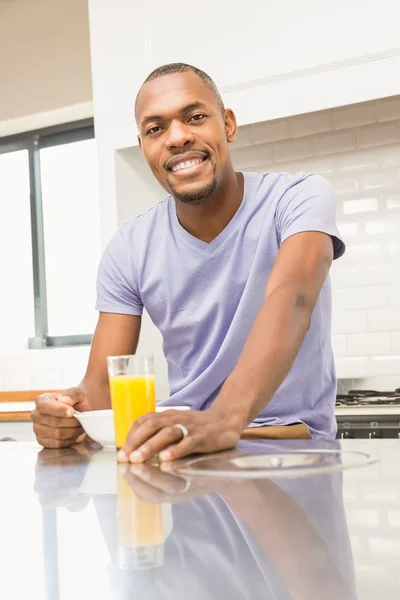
117,289
309,205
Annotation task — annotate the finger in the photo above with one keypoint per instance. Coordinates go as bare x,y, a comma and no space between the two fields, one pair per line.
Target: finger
48,405
164,416
47,455
136,438
184,448
161,440
58,433
52,443
68,422
144,491
170,484
72,396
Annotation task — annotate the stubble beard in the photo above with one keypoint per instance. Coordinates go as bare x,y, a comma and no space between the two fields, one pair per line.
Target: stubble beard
199,194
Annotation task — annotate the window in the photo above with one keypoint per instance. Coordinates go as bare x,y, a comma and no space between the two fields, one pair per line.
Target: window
49,237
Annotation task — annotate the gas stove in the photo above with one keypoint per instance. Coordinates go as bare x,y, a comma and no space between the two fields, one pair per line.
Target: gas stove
368,414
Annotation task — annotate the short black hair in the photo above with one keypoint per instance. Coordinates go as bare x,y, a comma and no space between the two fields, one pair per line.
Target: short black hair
172,68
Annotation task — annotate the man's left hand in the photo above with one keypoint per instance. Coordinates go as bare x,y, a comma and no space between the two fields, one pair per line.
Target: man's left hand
156,433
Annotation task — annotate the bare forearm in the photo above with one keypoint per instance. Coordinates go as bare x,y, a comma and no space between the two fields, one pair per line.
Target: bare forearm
289,539
97,394
267,356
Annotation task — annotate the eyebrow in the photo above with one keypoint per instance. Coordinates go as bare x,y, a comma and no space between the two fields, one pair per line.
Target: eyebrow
183,110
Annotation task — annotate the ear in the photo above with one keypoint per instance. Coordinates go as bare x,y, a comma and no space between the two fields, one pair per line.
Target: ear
230,125
139,141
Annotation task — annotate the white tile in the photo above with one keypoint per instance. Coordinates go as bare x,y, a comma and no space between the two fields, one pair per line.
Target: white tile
339,345
339,299
344,184
283,167
381,274
382,491
358,160
251,156
394,295
363,251
368,344
389,108
342,276
351,207
243,138
377,134
395,342
354,114
380,226
308,124
352,367
394,518
389,155
384,320
394,248
363,516
335,141
368,296
270,131
291,149
393,201
387,546
348,229
380,179
324,165
349,321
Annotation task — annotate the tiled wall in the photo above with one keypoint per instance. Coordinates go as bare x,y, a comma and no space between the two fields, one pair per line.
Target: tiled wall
43,369
357,148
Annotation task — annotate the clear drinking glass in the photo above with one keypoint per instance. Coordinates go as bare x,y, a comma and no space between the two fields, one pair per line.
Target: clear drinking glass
141,532
132,391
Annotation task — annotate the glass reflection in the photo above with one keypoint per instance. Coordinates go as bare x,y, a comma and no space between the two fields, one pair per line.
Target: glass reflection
168,536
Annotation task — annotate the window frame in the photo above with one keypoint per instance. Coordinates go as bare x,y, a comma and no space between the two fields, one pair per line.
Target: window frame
33,142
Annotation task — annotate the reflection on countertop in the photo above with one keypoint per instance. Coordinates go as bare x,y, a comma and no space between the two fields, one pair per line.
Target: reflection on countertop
74,525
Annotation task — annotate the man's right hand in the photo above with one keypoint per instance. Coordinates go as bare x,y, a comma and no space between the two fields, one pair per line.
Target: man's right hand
53,421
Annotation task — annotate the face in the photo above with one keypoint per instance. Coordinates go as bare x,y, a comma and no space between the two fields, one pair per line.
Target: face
184,135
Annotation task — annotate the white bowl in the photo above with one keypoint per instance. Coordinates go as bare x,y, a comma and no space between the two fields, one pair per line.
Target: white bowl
99,424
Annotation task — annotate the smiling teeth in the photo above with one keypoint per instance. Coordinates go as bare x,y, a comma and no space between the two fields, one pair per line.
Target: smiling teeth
187,164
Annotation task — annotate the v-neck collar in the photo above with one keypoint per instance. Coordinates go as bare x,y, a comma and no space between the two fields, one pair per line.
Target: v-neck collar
210,247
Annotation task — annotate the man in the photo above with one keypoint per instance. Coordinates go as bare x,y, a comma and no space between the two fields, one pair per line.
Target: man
233,270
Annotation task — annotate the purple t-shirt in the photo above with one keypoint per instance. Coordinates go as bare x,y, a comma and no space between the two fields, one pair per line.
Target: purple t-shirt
204,297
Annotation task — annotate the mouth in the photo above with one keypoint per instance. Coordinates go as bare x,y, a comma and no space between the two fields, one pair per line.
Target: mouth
187,164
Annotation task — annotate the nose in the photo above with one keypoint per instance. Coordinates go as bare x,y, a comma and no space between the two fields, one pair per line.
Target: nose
179,134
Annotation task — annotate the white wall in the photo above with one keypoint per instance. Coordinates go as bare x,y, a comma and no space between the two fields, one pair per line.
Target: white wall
357,148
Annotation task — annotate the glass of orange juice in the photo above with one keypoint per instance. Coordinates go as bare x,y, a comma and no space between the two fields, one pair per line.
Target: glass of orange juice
132,391
141,528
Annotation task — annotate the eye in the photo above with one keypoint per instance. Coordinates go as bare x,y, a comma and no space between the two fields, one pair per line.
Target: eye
197,117
154,129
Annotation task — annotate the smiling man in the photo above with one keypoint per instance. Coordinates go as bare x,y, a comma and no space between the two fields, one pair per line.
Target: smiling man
233,270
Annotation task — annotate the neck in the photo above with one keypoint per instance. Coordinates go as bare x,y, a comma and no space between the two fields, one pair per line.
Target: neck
206,218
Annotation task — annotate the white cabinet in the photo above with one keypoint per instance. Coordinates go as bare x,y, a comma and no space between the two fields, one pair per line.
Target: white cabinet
243,42
270,59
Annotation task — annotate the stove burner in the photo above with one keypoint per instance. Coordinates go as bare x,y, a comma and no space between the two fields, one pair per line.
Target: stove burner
369,398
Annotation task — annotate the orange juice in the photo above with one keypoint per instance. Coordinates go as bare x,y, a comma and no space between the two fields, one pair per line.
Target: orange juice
131,397
139,524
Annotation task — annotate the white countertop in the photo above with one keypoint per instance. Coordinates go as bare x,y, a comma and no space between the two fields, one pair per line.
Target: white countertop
72,523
